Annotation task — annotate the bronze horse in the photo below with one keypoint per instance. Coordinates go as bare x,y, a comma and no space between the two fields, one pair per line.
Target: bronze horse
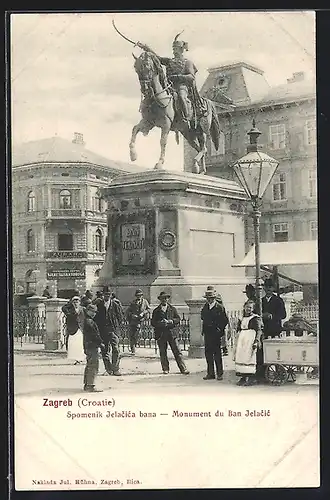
158,110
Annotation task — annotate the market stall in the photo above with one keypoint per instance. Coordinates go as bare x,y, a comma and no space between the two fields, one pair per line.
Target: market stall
296,350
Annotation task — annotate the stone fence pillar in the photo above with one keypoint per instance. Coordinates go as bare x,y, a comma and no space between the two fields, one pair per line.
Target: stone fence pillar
37,311
196,348
288,307
53,323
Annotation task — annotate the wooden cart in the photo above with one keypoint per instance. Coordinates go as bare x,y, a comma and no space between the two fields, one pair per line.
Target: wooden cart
284,357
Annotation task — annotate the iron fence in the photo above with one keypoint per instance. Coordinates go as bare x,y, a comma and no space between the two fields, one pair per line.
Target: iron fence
29,325
146,337
308,311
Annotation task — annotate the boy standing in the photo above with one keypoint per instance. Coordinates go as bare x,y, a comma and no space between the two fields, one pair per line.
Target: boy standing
92,341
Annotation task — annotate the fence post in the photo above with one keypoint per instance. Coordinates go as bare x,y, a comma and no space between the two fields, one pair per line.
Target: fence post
37,307
196,347
52,339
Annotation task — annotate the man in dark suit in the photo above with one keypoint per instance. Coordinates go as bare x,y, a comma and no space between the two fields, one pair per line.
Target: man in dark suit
273,311
92,342
109,317
164,319
214,322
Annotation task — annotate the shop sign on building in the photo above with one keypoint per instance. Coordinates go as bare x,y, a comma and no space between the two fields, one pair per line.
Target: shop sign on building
66,254
66,271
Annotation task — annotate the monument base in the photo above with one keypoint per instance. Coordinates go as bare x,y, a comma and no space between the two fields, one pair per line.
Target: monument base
174,231
52,345
197,352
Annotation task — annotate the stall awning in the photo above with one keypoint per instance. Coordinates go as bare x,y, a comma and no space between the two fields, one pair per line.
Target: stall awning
296,259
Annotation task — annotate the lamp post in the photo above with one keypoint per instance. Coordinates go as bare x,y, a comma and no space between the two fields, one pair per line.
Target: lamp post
254,172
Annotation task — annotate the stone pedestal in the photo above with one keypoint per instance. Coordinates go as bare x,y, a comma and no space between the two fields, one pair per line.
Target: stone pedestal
196,347
53,323
174,231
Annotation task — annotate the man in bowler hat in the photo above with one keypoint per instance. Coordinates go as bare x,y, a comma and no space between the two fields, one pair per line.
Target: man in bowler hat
273,310
136,312
109,317
164,319
214,322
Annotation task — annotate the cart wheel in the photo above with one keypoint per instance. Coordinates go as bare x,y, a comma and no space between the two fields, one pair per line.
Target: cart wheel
291,371
312,372
276,374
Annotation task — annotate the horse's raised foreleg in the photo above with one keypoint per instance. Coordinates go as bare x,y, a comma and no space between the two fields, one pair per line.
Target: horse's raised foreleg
132,151
144,127
163,143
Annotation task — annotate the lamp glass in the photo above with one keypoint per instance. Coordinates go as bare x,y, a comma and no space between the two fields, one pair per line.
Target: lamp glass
254,172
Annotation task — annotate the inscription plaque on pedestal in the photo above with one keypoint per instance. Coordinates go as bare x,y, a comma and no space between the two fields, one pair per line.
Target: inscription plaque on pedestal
134,243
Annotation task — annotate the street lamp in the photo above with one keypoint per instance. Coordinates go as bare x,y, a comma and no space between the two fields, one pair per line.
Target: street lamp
254,172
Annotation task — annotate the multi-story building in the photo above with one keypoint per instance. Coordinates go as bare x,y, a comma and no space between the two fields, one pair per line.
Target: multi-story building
286,116
59,223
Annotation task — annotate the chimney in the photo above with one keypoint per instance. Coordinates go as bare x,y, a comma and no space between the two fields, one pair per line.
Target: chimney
78,138
298,76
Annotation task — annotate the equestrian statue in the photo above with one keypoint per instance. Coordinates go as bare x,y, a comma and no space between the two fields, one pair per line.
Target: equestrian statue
171,102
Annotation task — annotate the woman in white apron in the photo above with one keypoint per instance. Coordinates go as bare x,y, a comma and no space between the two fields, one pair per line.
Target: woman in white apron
75,316
245,354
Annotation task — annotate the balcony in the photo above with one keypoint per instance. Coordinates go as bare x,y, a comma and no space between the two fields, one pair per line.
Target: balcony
65,213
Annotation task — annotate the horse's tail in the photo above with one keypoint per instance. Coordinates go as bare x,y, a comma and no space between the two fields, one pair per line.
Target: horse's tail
177,137
215,128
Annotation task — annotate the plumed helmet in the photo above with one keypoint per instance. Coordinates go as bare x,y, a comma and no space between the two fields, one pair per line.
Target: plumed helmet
179,43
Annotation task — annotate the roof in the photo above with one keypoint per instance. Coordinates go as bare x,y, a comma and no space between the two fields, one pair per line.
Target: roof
290,92
283,253
295,259
59,150
235,64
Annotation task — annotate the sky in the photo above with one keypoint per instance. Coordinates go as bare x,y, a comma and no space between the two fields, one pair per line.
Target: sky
71,72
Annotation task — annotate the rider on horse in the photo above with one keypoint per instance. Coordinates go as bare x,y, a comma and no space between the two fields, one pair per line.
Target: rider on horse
181,75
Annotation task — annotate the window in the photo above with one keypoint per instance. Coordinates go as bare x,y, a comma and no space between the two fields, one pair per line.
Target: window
313,229
277,136
310,132
98,241
65,199
31,202
312,183
31,243
65,241
279,187
30,280
97,203
222,146
281,232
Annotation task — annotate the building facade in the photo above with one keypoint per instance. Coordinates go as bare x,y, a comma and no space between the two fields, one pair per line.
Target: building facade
59,223
286,116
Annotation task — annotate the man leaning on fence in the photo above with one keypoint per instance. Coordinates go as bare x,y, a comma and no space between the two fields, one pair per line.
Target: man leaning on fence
109,318
165,319
136,312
